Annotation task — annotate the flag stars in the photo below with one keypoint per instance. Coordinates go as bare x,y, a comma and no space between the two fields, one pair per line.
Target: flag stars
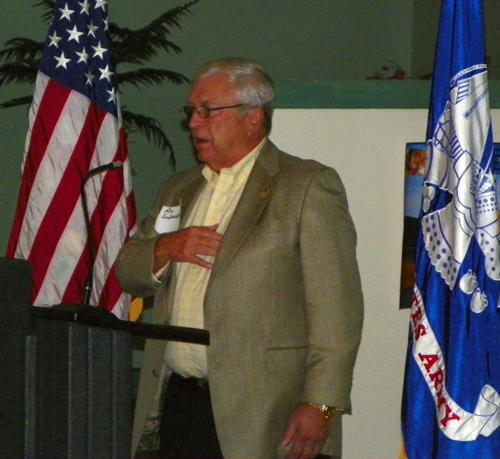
106,73
62,61
92,29
66,12
83,56
101,4
99,50
54,40
85,7
74,34
112,95
90,78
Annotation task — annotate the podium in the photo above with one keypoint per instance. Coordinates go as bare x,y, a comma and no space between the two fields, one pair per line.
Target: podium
66,384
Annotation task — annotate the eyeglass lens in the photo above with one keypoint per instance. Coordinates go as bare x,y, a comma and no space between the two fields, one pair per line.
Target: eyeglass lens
202,111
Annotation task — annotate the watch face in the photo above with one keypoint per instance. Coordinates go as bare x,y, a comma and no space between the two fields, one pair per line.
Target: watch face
329,412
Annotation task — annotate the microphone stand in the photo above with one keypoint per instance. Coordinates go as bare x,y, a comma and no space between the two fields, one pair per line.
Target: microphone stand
87,290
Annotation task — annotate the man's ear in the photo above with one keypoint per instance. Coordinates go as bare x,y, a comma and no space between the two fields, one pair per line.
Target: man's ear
255,119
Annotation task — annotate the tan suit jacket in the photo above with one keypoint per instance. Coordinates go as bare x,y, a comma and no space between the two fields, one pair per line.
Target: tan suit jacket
283,305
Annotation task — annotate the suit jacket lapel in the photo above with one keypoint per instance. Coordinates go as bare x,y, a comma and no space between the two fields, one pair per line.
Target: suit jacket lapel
255,196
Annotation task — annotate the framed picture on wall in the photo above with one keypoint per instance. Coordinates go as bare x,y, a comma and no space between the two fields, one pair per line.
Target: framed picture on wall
414,180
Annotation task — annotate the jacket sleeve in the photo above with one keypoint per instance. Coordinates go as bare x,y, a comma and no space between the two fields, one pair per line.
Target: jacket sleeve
135,259
334,299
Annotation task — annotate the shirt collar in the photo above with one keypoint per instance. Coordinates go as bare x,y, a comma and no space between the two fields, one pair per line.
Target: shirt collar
239,171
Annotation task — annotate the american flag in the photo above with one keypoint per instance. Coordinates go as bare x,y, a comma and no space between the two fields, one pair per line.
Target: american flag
451,401
74,126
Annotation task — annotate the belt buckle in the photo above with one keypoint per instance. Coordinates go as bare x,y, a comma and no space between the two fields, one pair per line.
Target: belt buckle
202,383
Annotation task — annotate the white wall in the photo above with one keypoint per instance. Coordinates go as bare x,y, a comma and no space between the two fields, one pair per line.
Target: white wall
367,148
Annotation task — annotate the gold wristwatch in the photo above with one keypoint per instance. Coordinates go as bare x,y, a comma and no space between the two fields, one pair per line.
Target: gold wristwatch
328,411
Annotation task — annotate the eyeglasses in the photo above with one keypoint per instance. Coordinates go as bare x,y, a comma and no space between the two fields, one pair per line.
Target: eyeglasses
203,111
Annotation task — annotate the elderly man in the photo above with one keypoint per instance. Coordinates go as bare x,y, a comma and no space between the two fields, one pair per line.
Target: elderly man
265,260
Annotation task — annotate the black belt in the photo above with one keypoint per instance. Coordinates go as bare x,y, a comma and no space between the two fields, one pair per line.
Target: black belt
189,383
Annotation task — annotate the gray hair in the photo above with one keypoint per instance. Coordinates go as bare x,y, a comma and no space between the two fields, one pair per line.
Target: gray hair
254,86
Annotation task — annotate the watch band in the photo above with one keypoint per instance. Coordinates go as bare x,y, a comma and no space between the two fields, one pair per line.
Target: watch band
328,411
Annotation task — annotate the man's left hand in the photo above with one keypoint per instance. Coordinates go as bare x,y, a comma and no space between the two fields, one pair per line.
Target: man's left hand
308,429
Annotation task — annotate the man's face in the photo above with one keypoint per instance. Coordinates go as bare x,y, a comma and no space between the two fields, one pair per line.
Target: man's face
226,136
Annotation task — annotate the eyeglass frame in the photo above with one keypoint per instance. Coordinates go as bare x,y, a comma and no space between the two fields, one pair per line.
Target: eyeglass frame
188,110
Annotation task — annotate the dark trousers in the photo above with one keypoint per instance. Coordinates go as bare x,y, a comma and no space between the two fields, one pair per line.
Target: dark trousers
187,428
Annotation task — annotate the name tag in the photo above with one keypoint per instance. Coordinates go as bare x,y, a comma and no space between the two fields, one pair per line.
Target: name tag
168,219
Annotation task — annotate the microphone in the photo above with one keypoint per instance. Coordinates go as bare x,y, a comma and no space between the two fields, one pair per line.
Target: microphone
87,290
99,169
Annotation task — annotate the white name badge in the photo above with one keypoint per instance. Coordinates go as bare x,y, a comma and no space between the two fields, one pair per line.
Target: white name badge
168,219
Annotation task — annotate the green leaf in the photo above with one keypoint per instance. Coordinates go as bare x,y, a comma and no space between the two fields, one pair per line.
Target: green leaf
49,5
20,48
17,101
19,72
151,128
139,46
149,76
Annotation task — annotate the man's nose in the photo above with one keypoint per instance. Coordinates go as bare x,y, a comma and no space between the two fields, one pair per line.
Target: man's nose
195,120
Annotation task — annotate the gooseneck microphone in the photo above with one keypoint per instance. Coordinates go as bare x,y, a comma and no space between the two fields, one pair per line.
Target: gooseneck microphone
87,290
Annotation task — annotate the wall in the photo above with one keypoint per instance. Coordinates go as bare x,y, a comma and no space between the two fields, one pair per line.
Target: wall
367,149
294,39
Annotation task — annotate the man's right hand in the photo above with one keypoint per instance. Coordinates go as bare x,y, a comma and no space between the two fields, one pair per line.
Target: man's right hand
186,245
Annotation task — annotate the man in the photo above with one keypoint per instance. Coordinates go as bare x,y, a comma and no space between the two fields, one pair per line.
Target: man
265,261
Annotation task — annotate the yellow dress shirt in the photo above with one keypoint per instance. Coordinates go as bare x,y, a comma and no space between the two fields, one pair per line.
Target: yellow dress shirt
215,205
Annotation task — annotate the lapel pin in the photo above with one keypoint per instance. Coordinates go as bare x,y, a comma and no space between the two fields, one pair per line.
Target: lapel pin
264,193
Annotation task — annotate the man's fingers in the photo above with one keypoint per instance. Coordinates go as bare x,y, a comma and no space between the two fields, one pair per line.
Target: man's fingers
308,429
188,245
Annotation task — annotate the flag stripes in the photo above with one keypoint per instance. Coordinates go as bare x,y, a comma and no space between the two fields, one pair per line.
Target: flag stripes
73,128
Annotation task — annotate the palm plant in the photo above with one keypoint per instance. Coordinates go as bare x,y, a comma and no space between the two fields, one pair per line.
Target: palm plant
20,59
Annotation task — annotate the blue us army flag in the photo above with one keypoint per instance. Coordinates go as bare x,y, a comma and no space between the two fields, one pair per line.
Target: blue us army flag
451,396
